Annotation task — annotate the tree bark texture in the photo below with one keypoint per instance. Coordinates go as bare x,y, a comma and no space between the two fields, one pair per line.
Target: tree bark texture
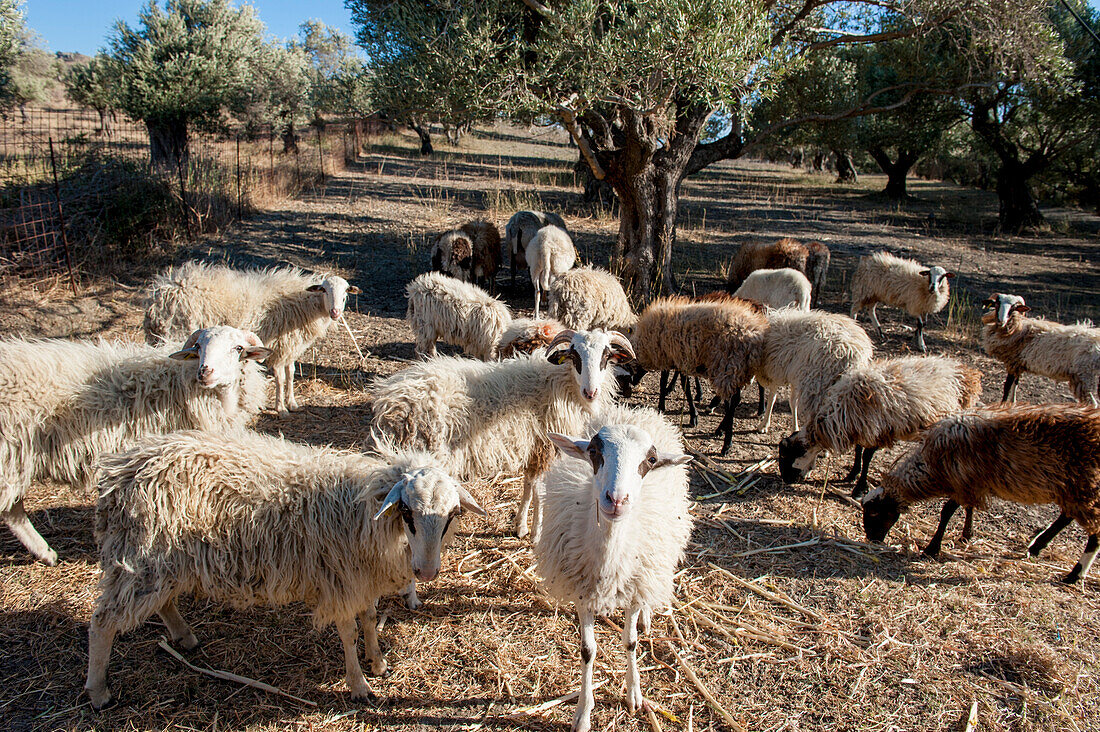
425,137
1018,209
897,171
168,141
845,168
290,139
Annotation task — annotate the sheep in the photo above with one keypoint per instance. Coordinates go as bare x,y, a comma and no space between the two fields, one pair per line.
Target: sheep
809,351
64,403
586,298
519,231
288,309
549,254
442,308
1046,453
723,341
492,417
876,406
776,288
900,283
526,335
616,524
817,268
251,519
754,255
1060,352
470,253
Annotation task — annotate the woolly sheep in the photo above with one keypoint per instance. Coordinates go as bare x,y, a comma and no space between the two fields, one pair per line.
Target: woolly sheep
288,309
616,523
442,308
900,283
527,335
722,341
817,268
64,403
519,231
587,298
493,417
1029,454
754,255
876,406
470,253
808,351
251,519
777,288
549,254
1060,352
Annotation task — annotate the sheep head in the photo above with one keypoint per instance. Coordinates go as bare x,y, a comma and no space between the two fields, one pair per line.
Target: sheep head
796,457
936,276
334,290
428,500
621,456
592,353
880,512
1004,305
220,351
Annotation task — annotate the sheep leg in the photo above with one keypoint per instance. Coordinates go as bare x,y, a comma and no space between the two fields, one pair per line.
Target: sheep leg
177,627
1083,394
1010,388
874,322
861,484
291,402
101,636
369,620
698,390
968,526
949,509
920,334
16,519
412,600
693,415
793,400
630,644
536,518
727,421
856,465
1081,569
662,391
582,717
766,422
1039,543
279,372
538,298
349,636
524,506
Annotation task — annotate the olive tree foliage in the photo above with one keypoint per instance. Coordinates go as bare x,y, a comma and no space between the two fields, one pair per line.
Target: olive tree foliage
13,29
281,94
635,81
337,74
184,66
94,85
28,73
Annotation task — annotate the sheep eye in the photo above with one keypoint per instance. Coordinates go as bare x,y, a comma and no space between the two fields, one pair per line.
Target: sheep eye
240,349
652,459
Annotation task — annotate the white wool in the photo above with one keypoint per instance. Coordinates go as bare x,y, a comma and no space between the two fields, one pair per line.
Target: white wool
777,288
442,308
589,297
522,227
549,254
890,280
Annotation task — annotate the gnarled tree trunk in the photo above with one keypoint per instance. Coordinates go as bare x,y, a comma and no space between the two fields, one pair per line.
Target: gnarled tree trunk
1018,210
168,141
425,136
845,168
897,171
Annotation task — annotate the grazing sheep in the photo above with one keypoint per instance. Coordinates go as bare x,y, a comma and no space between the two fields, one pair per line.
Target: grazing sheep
288,309
808,351
817,268
1060,352
616,523
754,255
722,341
587,298
876,406
549,254
442,308
251,519
470,253
493,417
64,403
526,335
900,283
519,231
1048,453
776,288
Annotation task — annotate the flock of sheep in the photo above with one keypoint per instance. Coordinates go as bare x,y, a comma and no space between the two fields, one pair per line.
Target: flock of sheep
192,502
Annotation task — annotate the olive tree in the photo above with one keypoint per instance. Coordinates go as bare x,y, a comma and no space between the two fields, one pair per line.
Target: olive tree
93,85
12,31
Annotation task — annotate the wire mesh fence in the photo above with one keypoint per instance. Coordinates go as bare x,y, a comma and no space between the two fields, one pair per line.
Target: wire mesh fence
77,188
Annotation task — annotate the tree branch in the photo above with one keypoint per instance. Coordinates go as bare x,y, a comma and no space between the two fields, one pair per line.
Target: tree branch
569,119
852,38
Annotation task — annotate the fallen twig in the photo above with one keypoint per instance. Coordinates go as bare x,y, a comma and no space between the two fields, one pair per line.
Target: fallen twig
236,678
711,701
538,709
767,594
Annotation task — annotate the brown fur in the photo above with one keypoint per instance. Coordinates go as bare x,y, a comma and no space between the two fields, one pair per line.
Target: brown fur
486,238
759,255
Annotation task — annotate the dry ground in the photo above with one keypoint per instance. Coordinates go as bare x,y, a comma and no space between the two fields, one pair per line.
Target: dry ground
788,618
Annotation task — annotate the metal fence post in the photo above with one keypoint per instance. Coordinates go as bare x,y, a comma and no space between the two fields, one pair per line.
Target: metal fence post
61,218
239,216
320,155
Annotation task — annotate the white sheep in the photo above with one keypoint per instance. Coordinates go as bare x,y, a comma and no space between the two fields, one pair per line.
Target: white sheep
527,335
442,308
616,521
586,298
549,254
1069,353
493,417
519,231
288,309
64,403
876,406
808,351
777,288
900,283
251,519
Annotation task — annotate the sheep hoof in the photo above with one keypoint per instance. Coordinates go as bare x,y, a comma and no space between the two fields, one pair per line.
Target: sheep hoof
1074,575
293,407
364,696
49,558
188,642
379,667
693,421
521,530
101,699
283,413
634,700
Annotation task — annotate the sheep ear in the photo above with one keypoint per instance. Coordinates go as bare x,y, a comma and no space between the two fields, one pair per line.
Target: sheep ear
949,275
558,357
468,503
1021,308
255,353
669,458
353,290
569,446
315,288
185,354
924,273
621,350
873,494
392,498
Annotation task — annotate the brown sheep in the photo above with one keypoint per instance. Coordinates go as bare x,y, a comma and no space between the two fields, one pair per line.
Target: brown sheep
470,253
756,255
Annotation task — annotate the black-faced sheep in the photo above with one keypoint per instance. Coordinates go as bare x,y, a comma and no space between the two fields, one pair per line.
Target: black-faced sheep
900,283
470,253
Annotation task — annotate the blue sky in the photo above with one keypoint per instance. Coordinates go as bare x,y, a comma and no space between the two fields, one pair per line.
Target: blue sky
82,25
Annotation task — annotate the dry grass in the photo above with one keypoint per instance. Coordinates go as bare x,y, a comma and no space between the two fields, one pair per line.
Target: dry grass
784,616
